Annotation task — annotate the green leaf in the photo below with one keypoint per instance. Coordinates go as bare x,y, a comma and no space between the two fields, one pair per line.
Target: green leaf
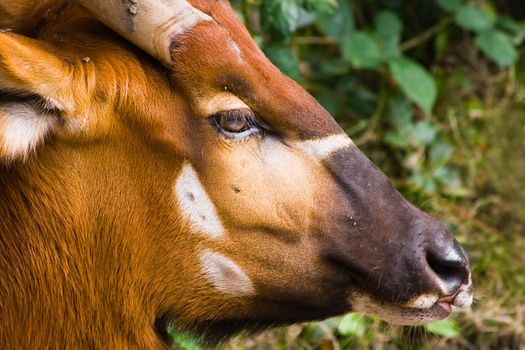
329,101
330,323
338,25
424,132
511,24
440,153
320,6
449,178
280,17
353,324
415,81
184,340
400,110
362,101
515,28
304,19
187,342
445,328
424,182
398,138
362,50
285,60
389,27
473,18
498,46
391,48
450,5
388,24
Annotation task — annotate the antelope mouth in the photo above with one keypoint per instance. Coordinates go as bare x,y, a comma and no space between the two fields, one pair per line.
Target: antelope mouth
439,310
403,315
420,310
461,299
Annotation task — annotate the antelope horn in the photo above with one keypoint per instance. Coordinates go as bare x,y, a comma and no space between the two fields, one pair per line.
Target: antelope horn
149,24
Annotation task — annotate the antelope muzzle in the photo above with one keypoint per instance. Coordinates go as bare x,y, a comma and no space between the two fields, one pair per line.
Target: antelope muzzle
404,266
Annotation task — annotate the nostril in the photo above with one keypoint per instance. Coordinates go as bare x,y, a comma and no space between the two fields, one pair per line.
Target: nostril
453,273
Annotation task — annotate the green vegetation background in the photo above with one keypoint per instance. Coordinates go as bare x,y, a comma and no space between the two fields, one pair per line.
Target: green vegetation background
433,92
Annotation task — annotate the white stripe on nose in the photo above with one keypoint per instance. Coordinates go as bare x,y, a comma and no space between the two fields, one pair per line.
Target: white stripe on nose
324,147
195,204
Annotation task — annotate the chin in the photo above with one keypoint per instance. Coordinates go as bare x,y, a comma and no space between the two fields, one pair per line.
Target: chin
217,331
402,315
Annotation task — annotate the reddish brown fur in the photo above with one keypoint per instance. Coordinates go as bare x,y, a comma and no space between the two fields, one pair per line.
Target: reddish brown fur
57,251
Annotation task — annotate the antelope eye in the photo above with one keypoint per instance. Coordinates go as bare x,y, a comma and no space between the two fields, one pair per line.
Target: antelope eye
236,123
233,121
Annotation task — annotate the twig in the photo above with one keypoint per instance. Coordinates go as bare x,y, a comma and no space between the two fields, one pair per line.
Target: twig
313,40
427,34
369,133
466,216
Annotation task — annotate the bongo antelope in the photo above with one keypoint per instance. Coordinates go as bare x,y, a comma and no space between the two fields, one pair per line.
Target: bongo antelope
178,177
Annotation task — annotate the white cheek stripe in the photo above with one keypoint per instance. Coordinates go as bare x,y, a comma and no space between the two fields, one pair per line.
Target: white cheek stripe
324,147
236,50
225,275
195,204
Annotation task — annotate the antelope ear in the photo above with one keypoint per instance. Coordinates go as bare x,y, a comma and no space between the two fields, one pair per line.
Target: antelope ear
25,122
33,92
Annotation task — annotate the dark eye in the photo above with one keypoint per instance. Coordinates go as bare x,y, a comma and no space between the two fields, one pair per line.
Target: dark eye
233,121
236,123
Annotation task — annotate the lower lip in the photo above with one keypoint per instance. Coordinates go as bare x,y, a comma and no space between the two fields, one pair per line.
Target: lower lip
445,307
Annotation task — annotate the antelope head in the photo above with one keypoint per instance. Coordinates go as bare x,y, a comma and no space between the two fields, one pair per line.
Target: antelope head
293,221
246,201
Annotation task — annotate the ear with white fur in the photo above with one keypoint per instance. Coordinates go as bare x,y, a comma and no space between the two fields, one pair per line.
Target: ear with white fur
25,122
34,91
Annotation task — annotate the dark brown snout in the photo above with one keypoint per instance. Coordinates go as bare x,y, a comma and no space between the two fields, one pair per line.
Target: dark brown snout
393,251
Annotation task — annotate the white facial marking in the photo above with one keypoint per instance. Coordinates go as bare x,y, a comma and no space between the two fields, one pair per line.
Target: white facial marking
195,204
22,128
423,301
225,275
324,147
223,101
236,50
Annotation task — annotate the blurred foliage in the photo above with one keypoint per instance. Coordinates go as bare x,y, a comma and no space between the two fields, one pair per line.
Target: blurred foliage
432,91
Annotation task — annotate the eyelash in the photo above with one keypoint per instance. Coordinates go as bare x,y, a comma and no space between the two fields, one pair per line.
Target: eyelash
252,125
